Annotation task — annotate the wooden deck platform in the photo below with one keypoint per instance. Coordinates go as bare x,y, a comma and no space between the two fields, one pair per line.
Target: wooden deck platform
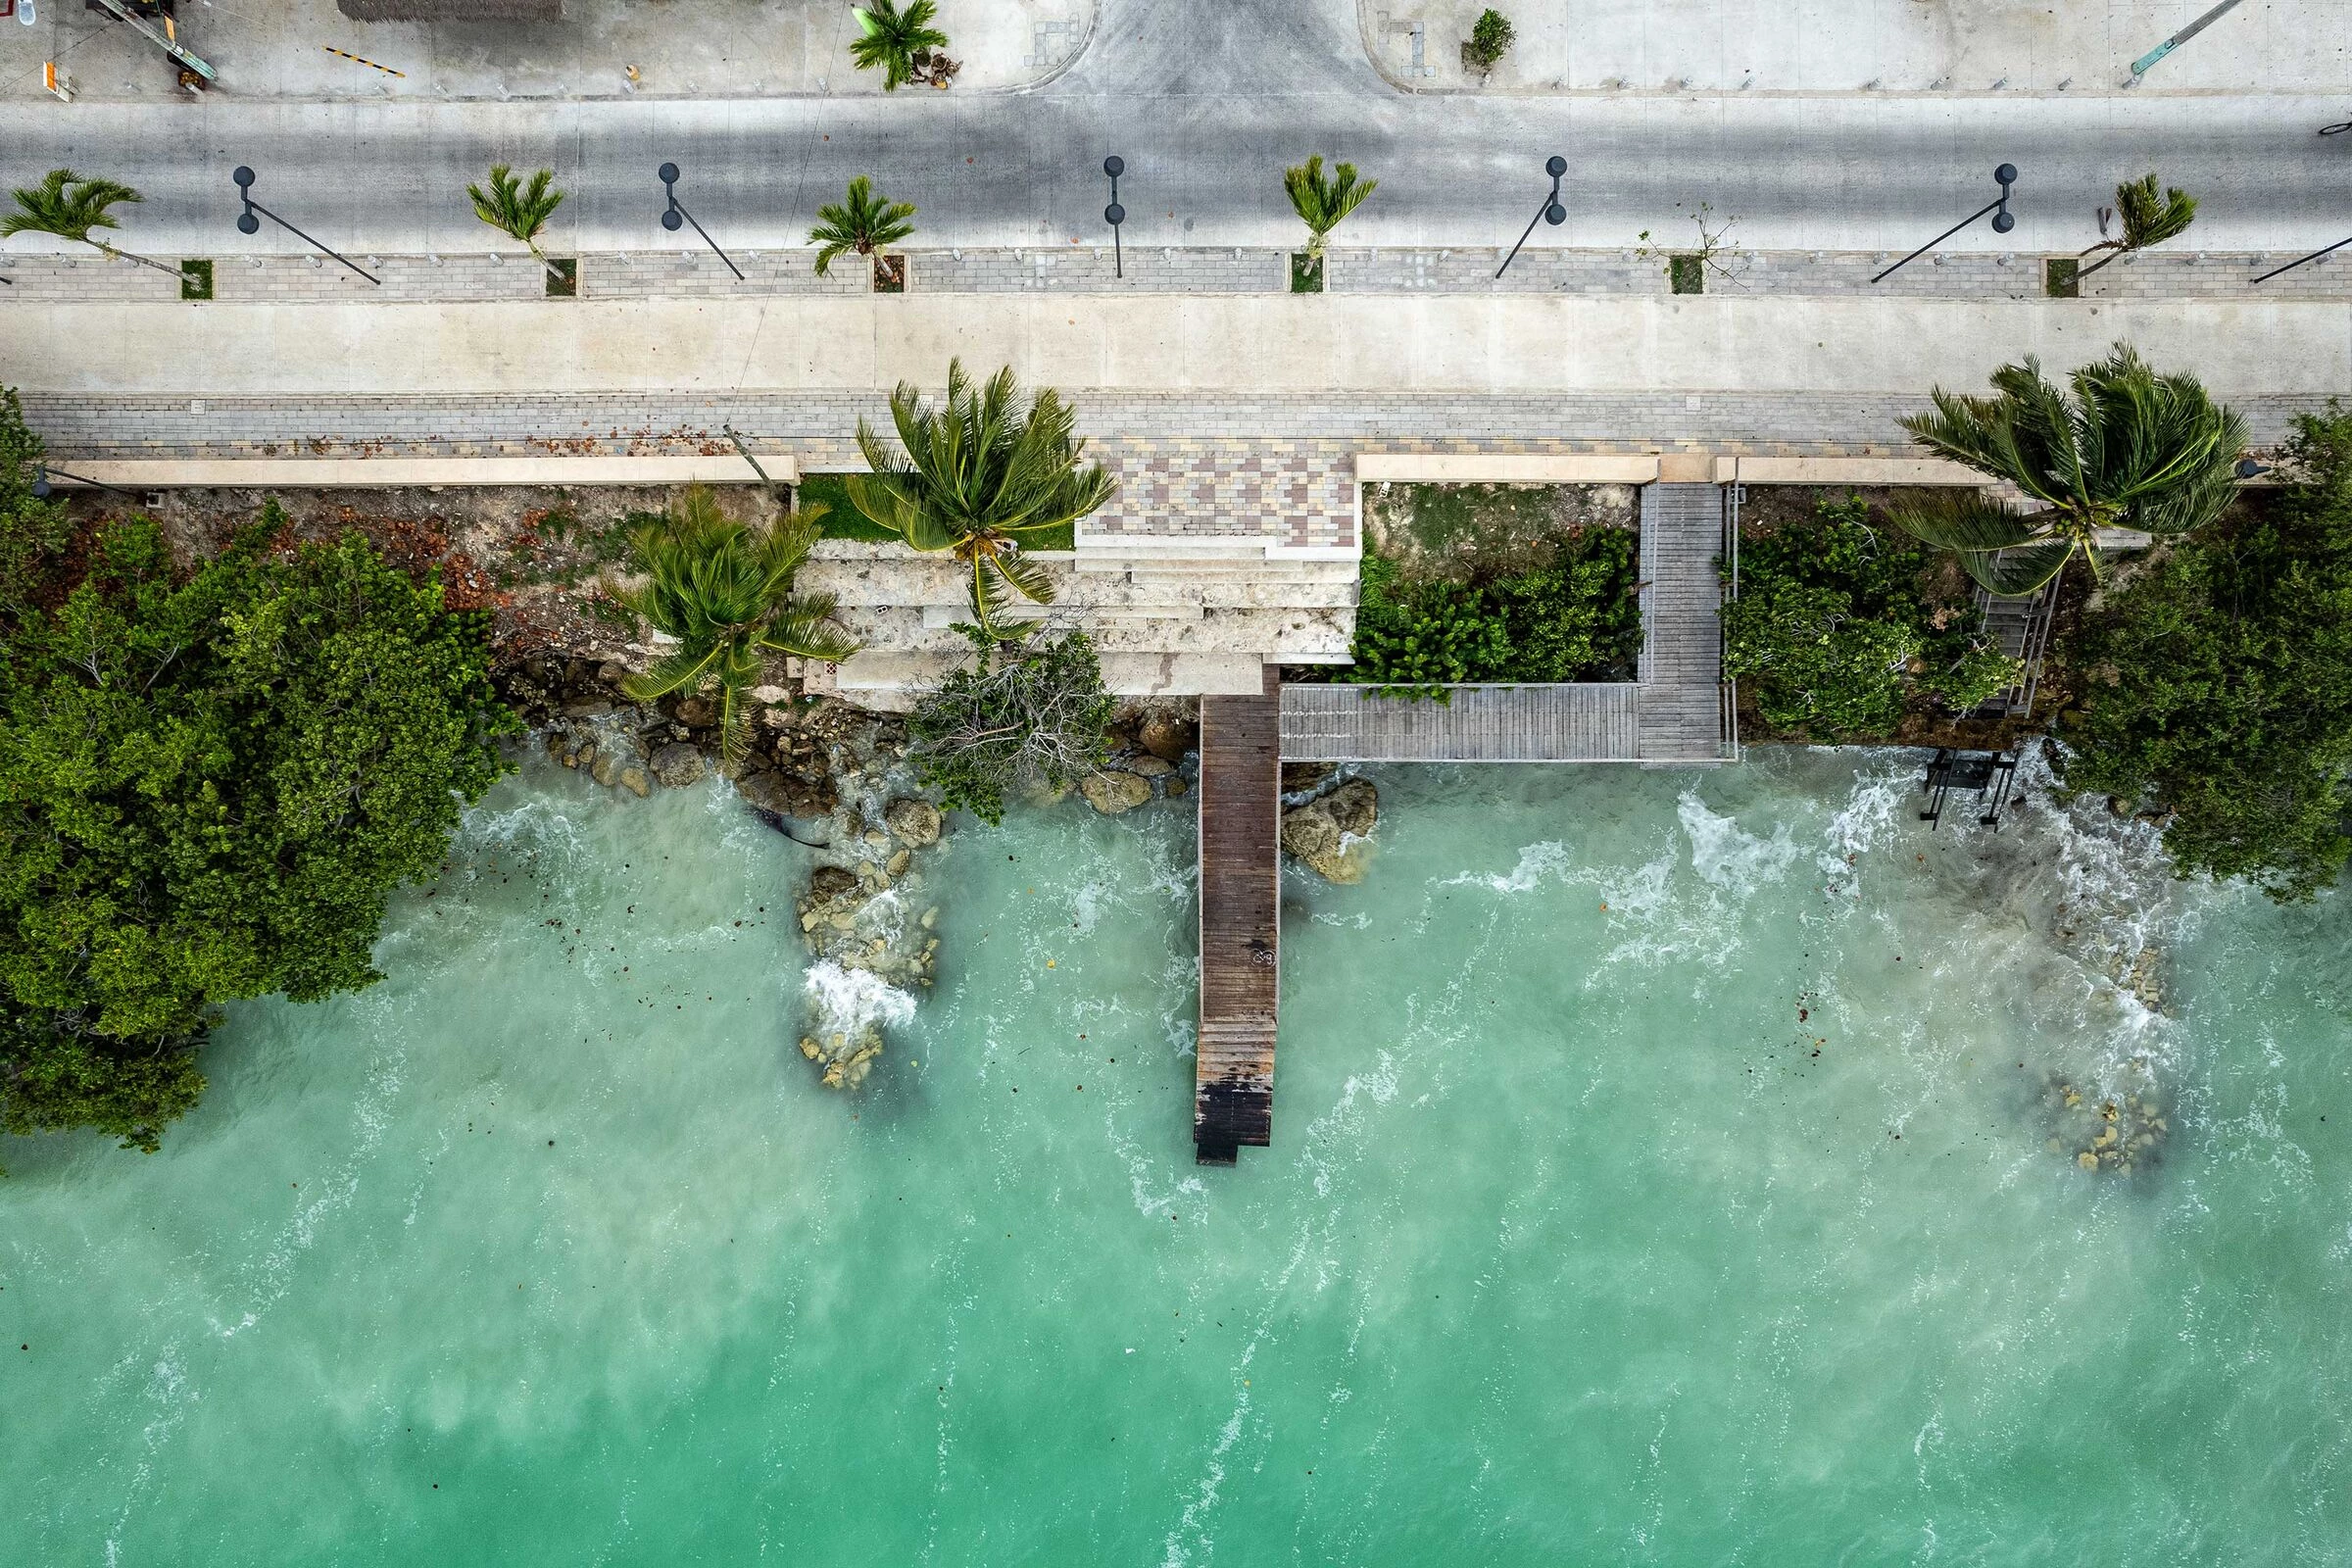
1241,876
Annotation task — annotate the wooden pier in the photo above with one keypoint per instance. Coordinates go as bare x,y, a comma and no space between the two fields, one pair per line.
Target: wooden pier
1677,711
1240,880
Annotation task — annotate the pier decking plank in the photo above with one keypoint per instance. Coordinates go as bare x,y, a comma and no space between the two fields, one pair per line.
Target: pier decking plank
1241,870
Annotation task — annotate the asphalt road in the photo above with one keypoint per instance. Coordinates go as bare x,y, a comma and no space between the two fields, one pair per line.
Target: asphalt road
1206,100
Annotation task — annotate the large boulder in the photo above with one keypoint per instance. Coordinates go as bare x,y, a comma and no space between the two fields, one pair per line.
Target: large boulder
1167,735
1113,790
781,793
1333,834
676,764
912,821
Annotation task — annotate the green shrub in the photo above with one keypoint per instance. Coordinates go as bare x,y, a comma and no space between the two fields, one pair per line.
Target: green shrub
1575,618
209,787
1836,629
1813,664
2216,682
1033,711
1491,38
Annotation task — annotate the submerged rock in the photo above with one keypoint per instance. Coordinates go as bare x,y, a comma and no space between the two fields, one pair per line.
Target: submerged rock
1113,790
1333,834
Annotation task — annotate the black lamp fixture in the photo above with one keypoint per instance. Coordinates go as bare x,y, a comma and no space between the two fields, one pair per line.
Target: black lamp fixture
43,489
675,217
2003,220
248,223
1551,212
1114,215
2302,260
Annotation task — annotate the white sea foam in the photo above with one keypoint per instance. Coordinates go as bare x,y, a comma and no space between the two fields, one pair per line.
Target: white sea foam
1537,861
846,1001
1726,854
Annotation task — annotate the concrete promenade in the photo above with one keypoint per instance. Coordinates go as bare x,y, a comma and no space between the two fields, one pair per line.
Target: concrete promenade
1336,347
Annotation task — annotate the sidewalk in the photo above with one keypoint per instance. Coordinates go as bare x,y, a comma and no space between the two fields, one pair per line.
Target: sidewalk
1878,46
2173,272
708,49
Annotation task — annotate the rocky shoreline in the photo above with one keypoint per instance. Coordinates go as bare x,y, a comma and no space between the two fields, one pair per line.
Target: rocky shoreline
835,779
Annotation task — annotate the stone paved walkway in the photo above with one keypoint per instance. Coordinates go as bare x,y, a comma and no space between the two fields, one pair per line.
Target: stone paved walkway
1272,467
2176,270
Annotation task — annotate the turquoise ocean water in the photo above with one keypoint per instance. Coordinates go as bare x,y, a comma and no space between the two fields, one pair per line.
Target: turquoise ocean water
1663,1173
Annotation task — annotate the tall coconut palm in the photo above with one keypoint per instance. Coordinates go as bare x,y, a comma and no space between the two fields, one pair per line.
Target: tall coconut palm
519,211
862,222
68,206
2148,220
2130,449
1322,202
725,590
889,38
975,477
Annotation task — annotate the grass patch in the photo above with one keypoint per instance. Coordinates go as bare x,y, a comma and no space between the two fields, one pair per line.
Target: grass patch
2062,278
843,521
196,279
1306,273
1686,275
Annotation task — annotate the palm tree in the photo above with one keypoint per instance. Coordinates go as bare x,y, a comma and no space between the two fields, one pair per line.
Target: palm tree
889,38
2147,220
519,211
725,592
1321,203
861,224
68,206
2131,449
976,476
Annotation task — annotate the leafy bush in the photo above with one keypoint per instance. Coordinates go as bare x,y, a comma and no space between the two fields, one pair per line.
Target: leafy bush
1814,664
1836,628
2217,684
1026,713
1491,38
1575,618
208,790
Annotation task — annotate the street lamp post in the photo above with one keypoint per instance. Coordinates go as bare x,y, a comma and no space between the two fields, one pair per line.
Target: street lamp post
43,489
2003,220
1551,212
1114,215
2302,260
675,217
247,223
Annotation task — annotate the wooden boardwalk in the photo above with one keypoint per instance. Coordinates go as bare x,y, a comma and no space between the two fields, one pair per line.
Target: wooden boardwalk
1677,709
1241,876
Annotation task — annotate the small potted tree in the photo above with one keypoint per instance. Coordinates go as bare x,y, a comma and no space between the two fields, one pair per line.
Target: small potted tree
1321,203
865,223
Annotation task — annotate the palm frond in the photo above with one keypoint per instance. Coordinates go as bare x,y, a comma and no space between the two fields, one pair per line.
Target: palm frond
2016,573
2120,445
2149,221
67,206
1322,203
861,221
1966,523
889,38
972,472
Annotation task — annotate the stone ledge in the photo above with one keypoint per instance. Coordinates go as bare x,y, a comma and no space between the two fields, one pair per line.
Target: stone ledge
362,474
